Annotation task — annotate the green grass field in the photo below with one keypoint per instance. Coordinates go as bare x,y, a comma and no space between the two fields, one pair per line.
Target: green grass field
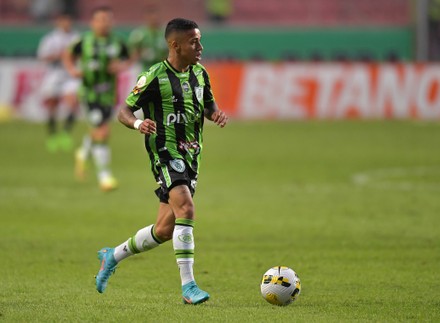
353,207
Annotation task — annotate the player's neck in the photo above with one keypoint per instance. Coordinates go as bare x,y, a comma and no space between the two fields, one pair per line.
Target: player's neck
178,65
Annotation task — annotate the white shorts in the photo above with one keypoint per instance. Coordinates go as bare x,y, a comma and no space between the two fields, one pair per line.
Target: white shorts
58,83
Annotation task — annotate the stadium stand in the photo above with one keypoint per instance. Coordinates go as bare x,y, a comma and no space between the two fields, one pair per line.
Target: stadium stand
299,30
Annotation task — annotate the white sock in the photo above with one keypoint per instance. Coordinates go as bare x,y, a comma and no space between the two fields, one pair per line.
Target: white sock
183,243
186,271
101,157
86,147
144,240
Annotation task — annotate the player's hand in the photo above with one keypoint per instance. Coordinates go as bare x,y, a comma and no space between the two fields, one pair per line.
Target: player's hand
148,127
220,118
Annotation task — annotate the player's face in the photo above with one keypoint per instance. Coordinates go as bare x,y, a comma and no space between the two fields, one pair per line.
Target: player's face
190,47
64,23
102,22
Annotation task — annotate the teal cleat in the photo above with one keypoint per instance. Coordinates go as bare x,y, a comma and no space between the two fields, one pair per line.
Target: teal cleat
192,294
108,267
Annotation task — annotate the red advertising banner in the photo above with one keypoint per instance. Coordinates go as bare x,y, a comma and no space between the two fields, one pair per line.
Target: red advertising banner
328,91
276,90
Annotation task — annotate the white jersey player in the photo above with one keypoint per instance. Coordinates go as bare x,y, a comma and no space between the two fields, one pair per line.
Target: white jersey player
58,87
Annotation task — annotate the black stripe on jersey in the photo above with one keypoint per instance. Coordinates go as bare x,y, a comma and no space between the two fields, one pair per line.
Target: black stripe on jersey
95,73
152,94
179,105
193,82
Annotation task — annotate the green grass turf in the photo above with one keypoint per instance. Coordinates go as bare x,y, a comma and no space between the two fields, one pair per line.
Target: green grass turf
353,207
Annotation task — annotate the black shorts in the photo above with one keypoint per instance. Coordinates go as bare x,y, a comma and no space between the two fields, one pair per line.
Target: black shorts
97,114
172,173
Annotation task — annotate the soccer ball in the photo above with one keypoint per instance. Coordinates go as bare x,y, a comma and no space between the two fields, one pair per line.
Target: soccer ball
280,286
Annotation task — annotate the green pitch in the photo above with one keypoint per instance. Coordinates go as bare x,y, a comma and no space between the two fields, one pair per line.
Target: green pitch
352,207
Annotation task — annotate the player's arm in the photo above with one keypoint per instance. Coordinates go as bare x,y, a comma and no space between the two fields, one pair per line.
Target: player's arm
213,113
126,117
70,56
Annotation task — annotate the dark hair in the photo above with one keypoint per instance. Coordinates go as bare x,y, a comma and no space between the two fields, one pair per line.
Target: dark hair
104,8
179,24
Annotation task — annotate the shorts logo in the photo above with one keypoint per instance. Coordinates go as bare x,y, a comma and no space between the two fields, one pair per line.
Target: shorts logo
178,165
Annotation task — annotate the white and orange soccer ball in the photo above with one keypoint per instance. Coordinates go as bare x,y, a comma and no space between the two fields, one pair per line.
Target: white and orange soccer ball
280,286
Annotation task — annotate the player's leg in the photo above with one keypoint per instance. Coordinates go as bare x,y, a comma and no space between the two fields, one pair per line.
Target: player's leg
51,106
181,202
102,156
145,239
50,93
70,102
149,237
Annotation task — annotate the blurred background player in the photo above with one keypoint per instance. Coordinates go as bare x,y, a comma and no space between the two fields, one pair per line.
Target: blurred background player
58,86
146,43
102,55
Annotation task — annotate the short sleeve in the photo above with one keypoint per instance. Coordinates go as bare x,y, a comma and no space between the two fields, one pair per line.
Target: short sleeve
145,91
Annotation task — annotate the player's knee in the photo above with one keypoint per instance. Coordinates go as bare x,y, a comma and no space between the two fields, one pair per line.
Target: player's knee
186,210
164,232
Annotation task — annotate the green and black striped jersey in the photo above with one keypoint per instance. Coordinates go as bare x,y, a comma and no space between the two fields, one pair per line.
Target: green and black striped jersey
95,55
176,102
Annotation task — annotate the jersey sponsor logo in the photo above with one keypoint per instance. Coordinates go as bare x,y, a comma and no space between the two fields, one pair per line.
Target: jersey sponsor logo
102,87
191,147
181,118
178,165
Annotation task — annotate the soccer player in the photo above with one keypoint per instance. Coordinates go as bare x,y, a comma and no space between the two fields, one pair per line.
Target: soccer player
101,55
146,43
58,87
175,96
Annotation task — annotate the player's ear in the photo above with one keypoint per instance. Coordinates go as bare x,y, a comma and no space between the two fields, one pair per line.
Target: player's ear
175,45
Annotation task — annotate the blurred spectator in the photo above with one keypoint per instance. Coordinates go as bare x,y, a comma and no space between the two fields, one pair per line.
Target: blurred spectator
219,10
42,10
434,29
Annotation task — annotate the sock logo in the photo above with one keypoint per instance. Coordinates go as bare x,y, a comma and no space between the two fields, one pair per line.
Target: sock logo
186,238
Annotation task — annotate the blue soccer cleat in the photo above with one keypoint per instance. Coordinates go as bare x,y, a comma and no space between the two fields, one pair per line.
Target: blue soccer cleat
108,267
192,294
